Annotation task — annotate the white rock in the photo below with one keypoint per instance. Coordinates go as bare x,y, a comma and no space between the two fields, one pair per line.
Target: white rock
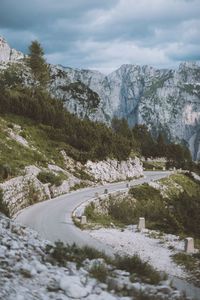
74,288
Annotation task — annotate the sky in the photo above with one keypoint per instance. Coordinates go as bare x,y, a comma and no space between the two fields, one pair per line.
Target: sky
104,34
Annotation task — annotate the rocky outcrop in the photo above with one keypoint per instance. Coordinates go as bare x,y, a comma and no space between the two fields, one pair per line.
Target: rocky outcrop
22,191
113,170
8,54
25,190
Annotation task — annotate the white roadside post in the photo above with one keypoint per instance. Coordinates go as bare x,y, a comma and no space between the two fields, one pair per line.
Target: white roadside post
83,220
141,224
189,245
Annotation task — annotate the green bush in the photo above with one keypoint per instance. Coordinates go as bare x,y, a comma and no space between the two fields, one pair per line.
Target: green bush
62,253
99,271
5,172
49,177
134,265
89,211
82,175
78,186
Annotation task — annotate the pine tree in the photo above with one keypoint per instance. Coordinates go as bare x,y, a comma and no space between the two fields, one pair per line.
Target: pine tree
37,63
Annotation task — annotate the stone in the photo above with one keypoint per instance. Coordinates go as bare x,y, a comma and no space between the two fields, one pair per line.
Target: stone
111,170
189,245
141,224
83,220
73,287
115,284
53,285
96,195
3,250
164,289
27,270
164,168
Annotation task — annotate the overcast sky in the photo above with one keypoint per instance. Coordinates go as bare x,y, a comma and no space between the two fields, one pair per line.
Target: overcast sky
104,34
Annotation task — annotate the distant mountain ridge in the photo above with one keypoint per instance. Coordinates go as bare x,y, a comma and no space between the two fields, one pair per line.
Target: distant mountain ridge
164,99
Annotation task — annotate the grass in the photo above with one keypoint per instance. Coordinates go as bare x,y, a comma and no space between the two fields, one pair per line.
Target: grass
61,254
95,218
80,173
191,263
148,165
99,271
42,149
175,210
78,186
50,177
135,266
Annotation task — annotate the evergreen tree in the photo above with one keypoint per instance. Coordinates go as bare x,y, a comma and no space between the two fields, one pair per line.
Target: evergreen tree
37,63
161,145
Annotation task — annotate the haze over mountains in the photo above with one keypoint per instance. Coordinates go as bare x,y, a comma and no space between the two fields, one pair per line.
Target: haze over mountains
165,100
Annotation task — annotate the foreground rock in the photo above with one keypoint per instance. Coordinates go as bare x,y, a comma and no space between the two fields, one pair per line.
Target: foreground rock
26,272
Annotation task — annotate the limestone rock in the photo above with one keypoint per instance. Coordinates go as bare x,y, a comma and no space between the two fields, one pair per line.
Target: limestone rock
112,170
7,54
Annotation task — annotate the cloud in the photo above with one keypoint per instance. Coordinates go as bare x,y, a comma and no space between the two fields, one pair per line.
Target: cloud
105,34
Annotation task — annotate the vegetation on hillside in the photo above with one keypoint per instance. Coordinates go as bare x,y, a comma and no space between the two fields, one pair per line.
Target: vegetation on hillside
62,254
82,139
173,208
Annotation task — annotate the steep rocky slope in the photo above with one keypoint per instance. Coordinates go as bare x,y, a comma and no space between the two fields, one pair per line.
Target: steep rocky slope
165,100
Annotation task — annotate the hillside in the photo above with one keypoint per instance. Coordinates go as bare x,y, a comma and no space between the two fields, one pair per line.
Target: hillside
34,165
166,101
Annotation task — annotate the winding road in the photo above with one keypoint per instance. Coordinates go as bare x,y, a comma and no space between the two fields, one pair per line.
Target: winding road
52,219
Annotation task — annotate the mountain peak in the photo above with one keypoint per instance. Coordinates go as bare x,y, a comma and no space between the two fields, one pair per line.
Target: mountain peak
7,54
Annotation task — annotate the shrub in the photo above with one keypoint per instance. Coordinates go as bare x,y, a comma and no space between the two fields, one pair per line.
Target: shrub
134,265
99,271
80,173
62,253
89,211
78,186
5,171
49,177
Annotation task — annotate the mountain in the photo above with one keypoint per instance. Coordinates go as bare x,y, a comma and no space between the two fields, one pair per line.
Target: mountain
165,100
8,54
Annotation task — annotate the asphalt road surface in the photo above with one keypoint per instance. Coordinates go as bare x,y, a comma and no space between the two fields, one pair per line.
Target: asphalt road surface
52,219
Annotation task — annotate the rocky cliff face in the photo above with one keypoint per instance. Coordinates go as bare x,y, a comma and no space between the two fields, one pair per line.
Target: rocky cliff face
8,54
165,100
